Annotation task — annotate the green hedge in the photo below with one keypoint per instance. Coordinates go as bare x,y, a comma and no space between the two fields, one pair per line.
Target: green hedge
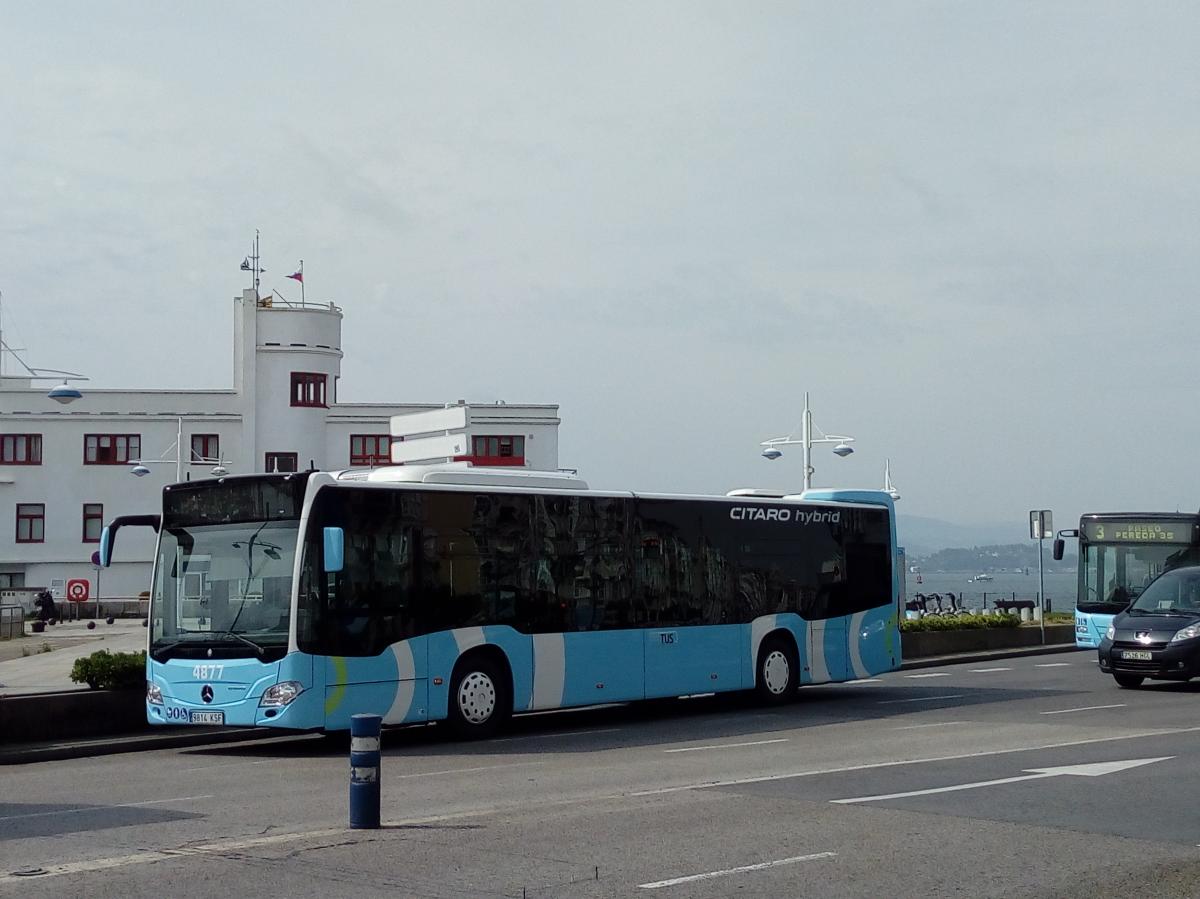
958,622
106,670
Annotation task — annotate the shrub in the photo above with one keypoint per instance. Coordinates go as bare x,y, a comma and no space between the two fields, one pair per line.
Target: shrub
106,670
958,622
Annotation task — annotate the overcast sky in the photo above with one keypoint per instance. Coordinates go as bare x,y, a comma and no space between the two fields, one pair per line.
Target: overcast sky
969,230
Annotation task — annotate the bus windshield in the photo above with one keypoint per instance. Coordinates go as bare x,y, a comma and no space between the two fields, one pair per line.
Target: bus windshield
1113,575
223,574
217,580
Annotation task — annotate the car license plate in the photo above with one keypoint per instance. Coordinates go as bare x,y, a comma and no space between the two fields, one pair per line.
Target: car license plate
1134,655
216,717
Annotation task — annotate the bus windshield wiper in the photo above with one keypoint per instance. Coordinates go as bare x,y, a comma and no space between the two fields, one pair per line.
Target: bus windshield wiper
258,647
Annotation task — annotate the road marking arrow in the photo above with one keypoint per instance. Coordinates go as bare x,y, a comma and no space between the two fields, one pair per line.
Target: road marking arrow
1097,769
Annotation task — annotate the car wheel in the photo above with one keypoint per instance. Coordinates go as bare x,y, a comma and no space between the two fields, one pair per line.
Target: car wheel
778,671
1128,681
480,700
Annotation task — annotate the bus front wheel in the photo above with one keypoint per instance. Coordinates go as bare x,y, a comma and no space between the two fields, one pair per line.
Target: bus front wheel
778,673
480,700
1128,681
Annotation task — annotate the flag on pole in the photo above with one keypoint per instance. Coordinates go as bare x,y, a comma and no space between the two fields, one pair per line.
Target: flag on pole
297,276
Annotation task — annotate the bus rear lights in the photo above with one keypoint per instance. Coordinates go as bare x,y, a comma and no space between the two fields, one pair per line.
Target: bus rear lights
281,694
153,693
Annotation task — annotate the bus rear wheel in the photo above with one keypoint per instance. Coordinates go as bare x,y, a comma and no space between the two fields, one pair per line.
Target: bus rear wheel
480,700
1128,681
778,672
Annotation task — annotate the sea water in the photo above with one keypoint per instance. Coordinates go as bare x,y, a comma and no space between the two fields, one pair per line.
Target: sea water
1060,587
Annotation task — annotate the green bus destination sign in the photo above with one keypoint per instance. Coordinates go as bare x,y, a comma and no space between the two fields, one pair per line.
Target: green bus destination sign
1138,531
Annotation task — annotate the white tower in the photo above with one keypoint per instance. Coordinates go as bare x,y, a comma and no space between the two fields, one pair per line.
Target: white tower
287,359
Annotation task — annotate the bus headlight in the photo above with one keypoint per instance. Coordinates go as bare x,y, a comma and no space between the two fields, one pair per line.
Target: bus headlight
1111,633
153,693
1187,633
281,694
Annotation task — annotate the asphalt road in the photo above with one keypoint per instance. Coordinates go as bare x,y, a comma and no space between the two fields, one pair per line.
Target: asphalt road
1034,776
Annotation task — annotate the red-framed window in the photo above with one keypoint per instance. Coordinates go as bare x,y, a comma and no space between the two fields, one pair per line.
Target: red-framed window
282,462
370,449
31,522
308,388
496,449
111,449
206,448
20,449
93,522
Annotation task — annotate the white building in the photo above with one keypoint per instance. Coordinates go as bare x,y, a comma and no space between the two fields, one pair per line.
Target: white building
67,469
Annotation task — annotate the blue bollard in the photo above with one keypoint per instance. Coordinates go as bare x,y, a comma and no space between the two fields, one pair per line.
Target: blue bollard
364,771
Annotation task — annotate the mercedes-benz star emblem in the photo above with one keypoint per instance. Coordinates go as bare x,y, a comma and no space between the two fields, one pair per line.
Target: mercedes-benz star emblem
206,693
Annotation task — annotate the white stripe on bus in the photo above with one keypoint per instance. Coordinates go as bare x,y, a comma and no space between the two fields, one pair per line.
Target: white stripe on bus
817,665
406,673
549,671
856,637
759,628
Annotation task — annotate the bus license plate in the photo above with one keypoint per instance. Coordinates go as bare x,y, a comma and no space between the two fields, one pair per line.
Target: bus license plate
1134,655
207,718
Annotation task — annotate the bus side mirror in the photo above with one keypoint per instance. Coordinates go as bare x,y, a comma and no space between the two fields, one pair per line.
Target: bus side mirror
105,552
335,549
1057,552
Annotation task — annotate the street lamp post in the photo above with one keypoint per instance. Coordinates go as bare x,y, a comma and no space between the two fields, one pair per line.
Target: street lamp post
141,466
806,440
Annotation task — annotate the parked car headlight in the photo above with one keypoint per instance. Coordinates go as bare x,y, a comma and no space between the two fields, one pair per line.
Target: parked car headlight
281,694
1186,633
153,693
1111,633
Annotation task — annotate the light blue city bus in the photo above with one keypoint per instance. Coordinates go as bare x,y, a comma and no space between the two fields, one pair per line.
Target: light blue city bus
465,595
1119,554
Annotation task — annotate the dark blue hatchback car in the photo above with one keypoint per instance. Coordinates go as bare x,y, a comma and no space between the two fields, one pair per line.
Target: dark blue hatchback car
1158,635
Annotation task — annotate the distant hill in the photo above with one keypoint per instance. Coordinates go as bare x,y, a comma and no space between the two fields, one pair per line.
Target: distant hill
925,536
1000,557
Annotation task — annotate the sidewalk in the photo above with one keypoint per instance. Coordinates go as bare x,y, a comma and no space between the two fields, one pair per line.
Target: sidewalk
989,655
41,663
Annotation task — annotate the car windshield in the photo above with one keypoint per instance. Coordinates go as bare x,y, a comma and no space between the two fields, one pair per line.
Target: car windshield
1174,592
228,579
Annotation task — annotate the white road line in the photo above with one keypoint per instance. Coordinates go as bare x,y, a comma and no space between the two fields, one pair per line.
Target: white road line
568,733
862,680
228,765
1086,708
952,789
987,670
391,776
1053,665
739,870
727,745
917,726
1098,769
97,808
922,699
934,674
921,761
